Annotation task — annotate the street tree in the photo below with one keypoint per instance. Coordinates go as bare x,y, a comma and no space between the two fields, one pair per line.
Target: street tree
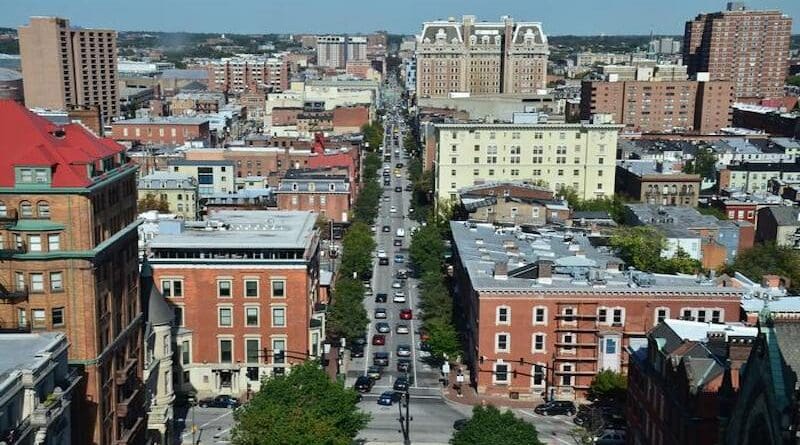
150,202
357,246
302,407
768,259
347,317
703,164
608,384
490,426
443,340
639,246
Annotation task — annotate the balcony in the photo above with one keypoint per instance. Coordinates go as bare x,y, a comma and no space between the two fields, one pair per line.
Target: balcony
10,216
11,296
131,404
7,252
129,435
122,375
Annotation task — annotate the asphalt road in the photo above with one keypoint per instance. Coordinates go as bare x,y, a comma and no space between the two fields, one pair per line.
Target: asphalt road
213,425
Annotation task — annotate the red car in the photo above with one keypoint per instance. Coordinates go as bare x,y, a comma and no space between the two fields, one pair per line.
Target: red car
405,314
378,340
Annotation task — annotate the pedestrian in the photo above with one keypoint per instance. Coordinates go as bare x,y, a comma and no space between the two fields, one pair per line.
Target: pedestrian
459,382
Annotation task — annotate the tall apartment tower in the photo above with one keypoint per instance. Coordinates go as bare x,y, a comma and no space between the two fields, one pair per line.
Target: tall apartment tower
68,251
64,67
331,51
748,48
481,58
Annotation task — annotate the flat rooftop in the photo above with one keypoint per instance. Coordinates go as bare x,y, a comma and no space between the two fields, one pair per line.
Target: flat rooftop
25,351
166,120
576,264
243,229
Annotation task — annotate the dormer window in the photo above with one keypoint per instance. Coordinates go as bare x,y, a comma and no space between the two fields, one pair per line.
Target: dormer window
27,175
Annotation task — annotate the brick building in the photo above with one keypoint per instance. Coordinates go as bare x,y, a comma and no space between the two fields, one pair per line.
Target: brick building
238,75
675,381
189,104
283,116
243,288
350,119
329,195
661,106
64,66
173,131
656,182
549,322
69,256
481,58
512,203
748,48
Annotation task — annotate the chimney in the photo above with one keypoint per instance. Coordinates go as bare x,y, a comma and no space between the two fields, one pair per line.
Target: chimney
501,270
545,268
739,348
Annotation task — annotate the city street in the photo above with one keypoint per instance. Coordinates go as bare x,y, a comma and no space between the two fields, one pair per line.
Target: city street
213,425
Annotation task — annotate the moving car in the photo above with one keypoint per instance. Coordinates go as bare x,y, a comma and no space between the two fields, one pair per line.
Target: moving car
405,314
409,188
556,407
400,232
363,384
399,259
380,313
378,339
356,351
396,285
383,261
392,209
399,297
381,298
401,384
403,351
401,329
398,189
388,398
403,365
383,327
401,274
380,358
375,372
398,242
381,253
223,401
386,229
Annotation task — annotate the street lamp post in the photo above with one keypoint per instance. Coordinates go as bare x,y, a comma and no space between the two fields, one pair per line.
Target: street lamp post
405,425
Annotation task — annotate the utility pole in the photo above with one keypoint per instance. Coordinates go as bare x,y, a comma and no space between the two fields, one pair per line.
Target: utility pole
405,420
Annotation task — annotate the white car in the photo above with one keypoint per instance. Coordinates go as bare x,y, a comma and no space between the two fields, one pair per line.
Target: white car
402,329
396,285
399,297
381,253
392,209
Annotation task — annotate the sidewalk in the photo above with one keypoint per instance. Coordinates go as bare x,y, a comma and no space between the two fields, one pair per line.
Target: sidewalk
469,396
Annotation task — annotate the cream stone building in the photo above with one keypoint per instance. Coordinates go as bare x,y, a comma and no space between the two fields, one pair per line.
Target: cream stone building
579,156
178,190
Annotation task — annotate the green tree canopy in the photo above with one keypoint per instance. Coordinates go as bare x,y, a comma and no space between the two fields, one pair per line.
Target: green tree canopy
615,206
444,340
641,248
608,383
150,202
302,407
357,247
766,259
489,426
703,164
346,316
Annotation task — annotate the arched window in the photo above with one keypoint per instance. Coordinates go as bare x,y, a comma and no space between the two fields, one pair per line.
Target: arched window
26,209
43,209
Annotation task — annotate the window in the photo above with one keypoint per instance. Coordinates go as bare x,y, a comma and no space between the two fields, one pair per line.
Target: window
662,314
566,376
39,318
279,317
56,281
253,347
617,316
501,373
178,310
602,315
172,288
37,282
538,342
251,288
611,346
501,343
278,345
224,288
43,209
278,289
540,315
503,315
225,317
251,316
35,243
186,352
225,351
53,242
539,375
58,316
701,315
568,341
569,314
716,316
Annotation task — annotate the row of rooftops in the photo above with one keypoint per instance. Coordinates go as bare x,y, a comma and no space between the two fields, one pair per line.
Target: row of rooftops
548,260
643,147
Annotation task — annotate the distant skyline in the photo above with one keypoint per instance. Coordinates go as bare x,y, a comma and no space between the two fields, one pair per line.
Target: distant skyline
559,17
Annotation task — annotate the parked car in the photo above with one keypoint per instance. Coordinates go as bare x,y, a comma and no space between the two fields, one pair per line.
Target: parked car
611,437
361,341
392,209
459,424
401,274
381,298
386,229
388,398
399,297
363,384
401,384
403,365
374,372
398,189
380,358
399,259
401,329
380,313
383,327
356,351
223,401
406,314
378,340
556,407
403,351
409,188
396,285
397,242
383,261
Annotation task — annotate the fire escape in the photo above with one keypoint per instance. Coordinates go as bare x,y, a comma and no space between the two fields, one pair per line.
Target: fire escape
11,293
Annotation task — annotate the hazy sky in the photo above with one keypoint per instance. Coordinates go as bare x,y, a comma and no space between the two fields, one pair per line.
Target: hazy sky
398,16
